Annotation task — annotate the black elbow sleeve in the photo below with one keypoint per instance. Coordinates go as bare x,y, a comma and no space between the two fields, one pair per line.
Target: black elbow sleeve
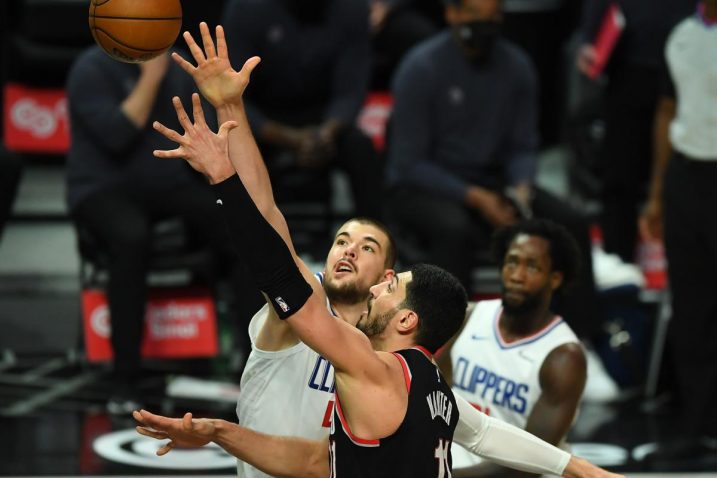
263,250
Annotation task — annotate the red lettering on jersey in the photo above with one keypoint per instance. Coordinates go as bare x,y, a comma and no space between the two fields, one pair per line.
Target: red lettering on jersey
485,410
328,414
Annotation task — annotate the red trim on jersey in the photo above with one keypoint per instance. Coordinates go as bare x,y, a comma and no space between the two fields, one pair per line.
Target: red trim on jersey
423,350
530,338
345,425
406,370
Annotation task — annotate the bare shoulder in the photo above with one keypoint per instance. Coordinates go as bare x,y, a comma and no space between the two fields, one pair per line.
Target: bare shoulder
564,371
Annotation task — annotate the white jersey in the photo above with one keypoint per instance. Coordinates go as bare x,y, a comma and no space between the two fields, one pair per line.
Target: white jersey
498,378
275,385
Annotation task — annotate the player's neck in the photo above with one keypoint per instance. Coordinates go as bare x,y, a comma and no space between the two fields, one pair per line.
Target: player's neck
516,326
350,313
383,343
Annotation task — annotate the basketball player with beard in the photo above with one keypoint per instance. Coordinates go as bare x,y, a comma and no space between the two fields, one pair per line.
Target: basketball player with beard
514,359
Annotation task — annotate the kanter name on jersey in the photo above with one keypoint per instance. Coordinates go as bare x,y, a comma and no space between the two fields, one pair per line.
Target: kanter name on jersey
439,405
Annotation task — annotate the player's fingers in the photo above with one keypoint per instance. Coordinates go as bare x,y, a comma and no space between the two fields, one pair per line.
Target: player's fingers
182,114
194,48
198,111
187,423
148,432
226,127
250,64
207,40
169,134
168,153
183,64
165,449
222,51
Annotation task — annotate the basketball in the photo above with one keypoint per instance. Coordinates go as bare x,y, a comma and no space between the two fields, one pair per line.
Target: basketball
134,31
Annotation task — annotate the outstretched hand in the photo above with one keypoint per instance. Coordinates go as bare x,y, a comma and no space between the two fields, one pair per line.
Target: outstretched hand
218,82
185,432
204,150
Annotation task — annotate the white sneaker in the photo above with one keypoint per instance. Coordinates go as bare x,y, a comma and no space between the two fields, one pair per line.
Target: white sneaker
600,387
610,271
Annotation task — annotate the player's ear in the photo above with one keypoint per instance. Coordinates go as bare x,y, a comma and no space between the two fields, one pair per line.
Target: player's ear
408,321
388,275
556,280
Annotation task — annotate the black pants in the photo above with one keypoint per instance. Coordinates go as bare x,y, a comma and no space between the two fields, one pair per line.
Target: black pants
451,233
10,169
121,218
355,154
630,112
690,202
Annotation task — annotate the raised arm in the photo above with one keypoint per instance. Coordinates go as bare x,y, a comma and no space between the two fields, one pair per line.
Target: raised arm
274,455
275,266
224,88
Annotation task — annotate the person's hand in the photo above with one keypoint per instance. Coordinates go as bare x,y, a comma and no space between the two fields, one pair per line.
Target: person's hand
650,220
496,210
586,58
379,10
205,151
218,82
156,68
581,468
185,432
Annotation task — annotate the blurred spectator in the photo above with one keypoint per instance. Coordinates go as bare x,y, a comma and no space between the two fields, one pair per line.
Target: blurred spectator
683,194
10,172
304,97
633,81
396,25
463,139
117,189
522,343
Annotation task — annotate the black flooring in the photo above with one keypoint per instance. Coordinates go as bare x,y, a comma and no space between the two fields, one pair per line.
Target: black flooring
53,422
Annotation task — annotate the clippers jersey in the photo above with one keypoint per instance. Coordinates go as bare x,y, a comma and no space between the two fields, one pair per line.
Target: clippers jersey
420,447
296,378
498,378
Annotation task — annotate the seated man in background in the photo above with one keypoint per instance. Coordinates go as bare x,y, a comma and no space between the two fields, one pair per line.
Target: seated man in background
117,190
514,359
462,149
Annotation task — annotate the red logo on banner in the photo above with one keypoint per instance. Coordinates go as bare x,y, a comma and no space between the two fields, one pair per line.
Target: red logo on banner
373,117
178,324
36,119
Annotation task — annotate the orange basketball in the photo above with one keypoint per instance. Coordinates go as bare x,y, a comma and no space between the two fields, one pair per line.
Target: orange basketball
134,31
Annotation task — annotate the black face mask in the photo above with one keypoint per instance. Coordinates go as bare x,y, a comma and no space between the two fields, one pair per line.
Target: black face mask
477,38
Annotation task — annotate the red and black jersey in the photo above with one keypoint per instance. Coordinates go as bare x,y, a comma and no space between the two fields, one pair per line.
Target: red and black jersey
420,447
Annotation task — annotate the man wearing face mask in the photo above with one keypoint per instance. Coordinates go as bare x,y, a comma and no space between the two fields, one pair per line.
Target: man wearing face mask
462,148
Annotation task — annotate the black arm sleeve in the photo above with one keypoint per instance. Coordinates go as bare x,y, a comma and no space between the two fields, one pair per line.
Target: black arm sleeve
264,251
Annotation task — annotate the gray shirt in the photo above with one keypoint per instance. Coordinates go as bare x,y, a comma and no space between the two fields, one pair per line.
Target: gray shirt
456,124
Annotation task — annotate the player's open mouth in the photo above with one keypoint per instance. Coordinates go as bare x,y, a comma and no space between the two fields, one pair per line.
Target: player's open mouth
343,266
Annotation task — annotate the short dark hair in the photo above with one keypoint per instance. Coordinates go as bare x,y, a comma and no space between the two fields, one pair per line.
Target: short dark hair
562,247
440,301
390,261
